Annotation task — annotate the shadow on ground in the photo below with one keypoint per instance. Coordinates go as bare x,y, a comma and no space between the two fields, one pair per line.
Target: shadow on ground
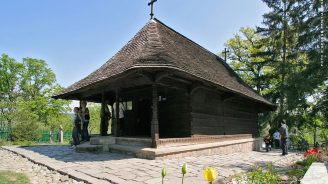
67,154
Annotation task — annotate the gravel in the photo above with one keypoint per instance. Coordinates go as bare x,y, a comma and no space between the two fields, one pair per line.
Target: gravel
37,174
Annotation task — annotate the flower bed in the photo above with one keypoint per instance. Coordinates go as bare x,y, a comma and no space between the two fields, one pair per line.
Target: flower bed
268,174
299,168
313,151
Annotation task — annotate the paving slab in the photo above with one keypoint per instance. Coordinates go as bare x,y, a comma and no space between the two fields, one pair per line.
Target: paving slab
121,169
316,174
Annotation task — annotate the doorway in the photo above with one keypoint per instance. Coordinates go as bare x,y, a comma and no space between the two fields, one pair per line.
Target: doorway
143,117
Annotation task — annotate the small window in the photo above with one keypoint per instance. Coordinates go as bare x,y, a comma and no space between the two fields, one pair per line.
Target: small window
129,105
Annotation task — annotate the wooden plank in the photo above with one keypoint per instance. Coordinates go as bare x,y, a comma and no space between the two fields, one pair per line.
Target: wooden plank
208,130
204,116
207,109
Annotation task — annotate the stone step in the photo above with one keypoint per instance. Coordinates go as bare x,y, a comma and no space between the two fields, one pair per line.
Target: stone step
140,142
87,147
135,151
102,140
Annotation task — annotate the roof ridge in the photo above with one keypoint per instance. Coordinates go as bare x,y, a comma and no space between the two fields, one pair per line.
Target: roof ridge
154,38
180,34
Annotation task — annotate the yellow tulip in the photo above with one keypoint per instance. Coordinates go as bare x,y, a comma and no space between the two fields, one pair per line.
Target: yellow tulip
184,169
210,174
163,174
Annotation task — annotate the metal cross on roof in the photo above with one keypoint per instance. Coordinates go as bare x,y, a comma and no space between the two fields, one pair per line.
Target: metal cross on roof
151,8
225,54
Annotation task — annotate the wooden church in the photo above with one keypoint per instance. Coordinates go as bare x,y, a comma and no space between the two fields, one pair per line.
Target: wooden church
176,94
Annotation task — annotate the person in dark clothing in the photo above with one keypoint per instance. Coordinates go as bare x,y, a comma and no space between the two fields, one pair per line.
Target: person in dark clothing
76,127
85,117
268,142
284,137
105,116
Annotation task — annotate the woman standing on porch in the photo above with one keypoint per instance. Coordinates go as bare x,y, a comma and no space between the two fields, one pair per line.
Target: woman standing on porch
85,120
120,124
76,126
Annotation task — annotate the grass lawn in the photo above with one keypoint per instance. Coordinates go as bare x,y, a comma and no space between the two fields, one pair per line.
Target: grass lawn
8,177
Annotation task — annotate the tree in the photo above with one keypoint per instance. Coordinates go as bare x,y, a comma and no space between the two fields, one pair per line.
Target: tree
37,86
313,41
36,79
94,125
9,79
26,90
245,56
286,59
289,85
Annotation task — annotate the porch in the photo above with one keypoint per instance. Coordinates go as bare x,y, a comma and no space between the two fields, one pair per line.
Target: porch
171,147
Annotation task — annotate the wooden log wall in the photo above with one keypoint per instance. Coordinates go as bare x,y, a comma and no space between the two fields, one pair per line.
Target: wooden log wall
210,115
174,113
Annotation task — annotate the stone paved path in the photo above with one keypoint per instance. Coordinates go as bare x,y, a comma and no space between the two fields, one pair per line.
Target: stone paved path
117,168
36,173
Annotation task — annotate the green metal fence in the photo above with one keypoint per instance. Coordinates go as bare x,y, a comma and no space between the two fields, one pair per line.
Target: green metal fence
45,135
5,133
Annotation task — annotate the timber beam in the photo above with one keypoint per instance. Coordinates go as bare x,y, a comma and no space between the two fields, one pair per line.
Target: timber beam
228,96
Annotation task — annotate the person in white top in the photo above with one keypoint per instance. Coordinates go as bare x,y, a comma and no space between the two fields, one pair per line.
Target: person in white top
276,139
120,123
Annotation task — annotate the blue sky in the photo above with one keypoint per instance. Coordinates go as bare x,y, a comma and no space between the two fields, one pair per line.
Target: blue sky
76,37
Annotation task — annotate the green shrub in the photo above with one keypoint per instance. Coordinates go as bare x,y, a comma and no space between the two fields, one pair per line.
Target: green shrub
25,131
258,175
4,142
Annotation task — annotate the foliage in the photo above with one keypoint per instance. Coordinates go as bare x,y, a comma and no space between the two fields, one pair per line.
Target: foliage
9,80
13,177
26,131
245,60
4,143
26,90
299,141
258,175
94,110
285,60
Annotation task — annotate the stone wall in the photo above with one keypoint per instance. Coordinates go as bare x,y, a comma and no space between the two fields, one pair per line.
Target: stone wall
226,147
167,142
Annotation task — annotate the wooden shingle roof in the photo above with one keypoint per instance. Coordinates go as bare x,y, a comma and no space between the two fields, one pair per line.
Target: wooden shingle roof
157,45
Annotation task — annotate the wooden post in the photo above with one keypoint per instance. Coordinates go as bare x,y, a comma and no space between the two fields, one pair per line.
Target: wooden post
117,114
50,136
102,115
154,121
61,134
189,96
